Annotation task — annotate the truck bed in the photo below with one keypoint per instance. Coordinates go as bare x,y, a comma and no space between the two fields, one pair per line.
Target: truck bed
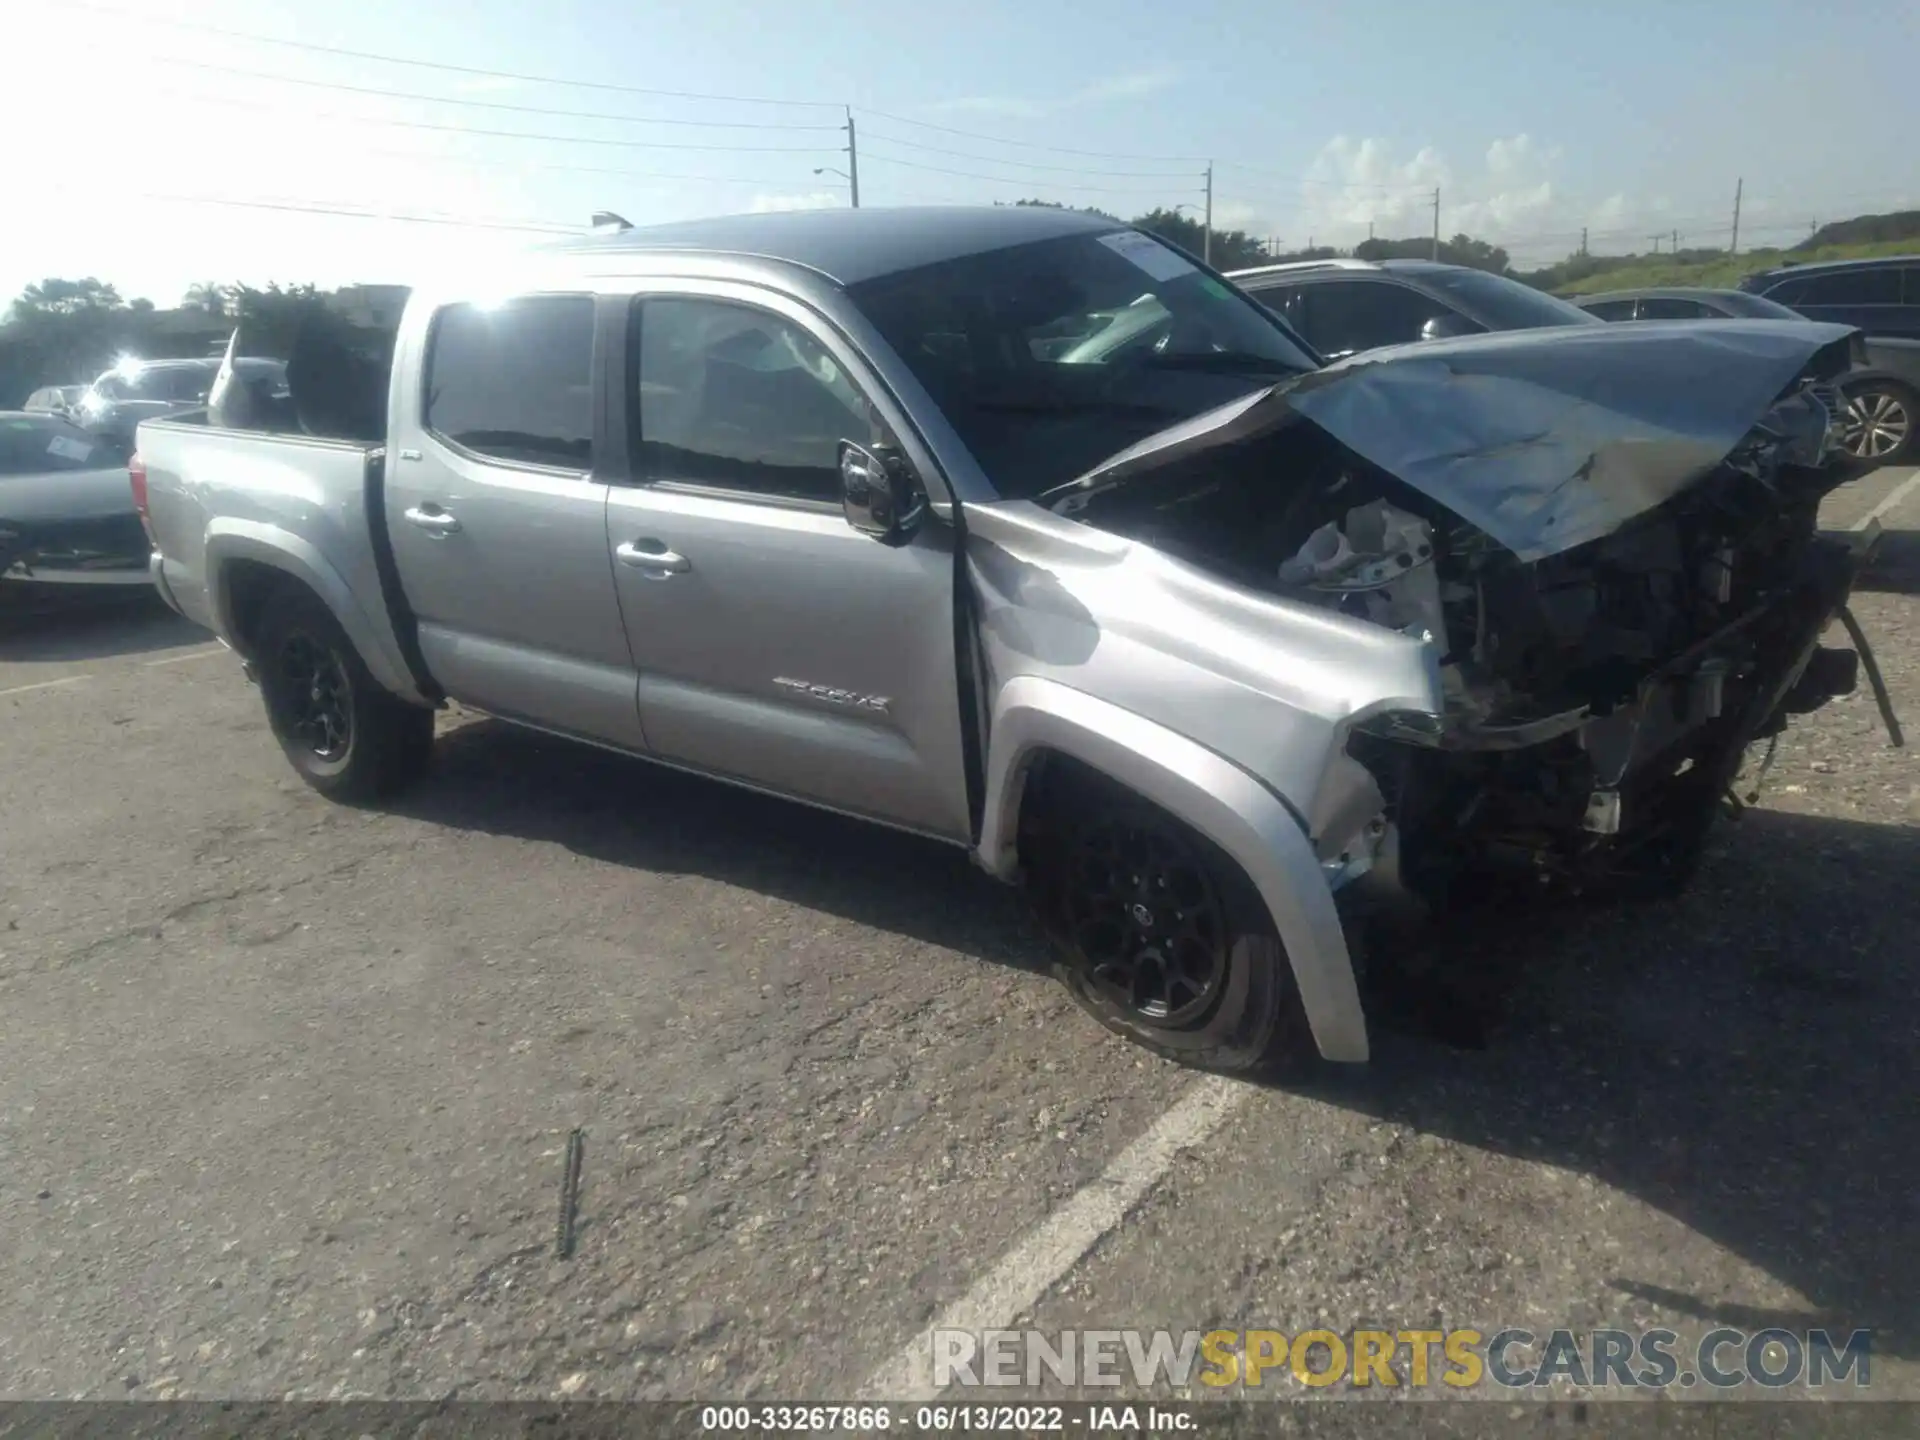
292,502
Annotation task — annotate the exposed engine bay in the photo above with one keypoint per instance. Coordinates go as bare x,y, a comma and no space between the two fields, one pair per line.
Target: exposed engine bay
1599,699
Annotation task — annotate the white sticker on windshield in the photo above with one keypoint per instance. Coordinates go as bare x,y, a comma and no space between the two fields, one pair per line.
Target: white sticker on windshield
1162,262
68,449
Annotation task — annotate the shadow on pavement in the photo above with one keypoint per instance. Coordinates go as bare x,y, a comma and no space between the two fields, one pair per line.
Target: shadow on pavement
88,623
498,778
1743,1059
1895,568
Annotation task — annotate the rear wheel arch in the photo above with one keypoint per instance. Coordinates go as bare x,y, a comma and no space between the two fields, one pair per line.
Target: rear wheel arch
247,589
248,564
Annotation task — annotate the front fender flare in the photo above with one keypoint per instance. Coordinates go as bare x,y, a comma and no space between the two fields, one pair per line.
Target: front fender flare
230,539
1217,798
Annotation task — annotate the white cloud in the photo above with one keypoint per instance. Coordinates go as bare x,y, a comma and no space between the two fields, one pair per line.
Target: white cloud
1514,196
805,200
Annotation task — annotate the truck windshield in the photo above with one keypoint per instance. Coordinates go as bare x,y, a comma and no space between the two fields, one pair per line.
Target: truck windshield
1046,358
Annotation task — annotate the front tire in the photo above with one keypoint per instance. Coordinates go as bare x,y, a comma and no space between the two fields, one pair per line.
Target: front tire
347,737
1158,934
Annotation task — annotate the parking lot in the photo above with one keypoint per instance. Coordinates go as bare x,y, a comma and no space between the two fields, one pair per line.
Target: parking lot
285,1087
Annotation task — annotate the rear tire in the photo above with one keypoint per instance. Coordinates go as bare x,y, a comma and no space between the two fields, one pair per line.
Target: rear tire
347,737
1158,934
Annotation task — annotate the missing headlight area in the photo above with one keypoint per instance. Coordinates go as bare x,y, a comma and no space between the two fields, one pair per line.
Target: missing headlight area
1599,696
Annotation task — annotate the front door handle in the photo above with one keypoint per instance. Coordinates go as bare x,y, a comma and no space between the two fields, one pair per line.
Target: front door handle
433,520
652,557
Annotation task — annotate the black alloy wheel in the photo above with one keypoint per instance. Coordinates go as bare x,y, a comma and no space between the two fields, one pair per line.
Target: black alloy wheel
319,696
348,737
1144,919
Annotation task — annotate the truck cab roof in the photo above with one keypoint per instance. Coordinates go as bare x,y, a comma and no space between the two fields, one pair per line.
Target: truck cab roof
847,246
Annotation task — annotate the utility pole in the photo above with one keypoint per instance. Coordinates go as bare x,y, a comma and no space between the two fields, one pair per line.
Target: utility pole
853,161
1583,239
1206,239
1738,186
1436,224
1676,242
1656,243
1369,230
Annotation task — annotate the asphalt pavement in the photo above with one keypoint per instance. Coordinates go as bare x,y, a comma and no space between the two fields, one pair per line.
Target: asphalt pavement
285,1088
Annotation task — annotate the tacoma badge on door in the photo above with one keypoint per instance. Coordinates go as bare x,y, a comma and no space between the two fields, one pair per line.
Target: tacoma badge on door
876,703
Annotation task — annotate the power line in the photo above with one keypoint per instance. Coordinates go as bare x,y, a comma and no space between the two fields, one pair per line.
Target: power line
1412,187
488,163
1024,179
530,79
1033,145
302,208
386,93
1115,155
497,134
1033,164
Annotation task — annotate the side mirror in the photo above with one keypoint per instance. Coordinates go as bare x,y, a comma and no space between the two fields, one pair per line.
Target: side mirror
880,497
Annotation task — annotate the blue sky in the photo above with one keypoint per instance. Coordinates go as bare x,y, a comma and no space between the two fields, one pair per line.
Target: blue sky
189,155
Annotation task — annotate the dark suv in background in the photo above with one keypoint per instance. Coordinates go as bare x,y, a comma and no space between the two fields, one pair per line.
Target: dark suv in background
1344,306
1879,296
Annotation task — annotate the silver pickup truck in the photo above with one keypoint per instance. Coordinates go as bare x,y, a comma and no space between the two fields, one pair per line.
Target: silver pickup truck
1024,531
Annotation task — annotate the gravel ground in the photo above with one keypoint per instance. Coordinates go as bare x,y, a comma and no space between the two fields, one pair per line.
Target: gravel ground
285,1088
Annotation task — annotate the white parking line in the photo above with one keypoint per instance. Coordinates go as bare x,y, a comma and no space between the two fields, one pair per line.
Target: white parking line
1886,506
194,655
1055,1245
46,684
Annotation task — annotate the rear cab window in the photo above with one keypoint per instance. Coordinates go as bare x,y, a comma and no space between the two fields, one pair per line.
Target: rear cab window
513,383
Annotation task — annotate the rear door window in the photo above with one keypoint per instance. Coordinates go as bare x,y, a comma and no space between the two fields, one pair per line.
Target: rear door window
1611,309
1666,307
1850,287
1341,316
514,382
1282,300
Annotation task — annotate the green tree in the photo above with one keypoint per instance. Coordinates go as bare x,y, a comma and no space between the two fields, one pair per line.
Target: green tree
209,296
1460,250
1231,249
66,297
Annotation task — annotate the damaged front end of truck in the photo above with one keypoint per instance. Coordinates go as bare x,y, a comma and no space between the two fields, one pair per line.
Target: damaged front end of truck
1607,540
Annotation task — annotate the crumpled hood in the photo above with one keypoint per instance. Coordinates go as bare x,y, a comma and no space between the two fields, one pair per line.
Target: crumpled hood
1544,439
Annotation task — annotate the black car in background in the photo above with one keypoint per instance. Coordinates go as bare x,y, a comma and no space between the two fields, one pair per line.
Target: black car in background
1683,302
1341,307
67,517
119,400
1880,297
1883,390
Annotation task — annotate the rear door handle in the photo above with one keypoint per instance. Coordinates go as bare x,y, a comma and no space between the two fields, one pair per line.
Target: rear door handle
434,521
652,557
